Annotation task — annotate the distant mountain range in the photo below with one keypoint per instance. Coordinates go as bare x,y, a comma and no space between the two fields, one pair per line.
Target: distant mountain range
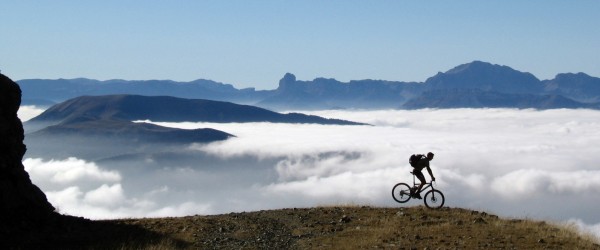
571,90
475,98
97,127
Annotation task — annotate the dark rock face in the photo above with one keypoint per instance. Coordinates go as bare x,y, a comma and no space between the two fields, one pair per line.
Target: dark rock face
28,220
22,204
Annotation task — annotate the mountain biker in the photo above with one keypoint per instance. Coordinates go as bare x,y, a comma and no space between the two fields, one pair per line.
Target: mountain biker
420,164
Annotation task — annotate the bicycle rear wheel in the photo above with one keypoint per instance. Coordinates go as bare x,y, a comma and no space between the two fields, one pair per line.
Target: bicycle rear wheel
434,199
401,192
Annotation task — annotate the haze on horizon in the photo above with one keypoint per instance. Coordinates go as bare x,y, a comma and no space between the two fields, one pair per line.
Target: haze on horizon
251,44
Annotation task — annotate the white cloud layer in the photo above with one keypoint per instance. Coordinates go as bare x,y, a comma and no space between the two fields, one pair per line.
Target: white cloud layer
521,163
25,113
68,172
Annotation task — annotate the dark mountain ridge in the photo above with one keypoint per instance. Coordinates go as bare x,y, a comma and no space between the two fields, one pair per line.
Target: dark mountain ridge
170,109
324,93
125,130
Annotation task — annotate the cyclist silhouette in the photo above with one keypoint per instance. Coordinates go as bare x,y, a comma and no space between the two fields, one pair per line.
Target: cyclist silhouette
421,163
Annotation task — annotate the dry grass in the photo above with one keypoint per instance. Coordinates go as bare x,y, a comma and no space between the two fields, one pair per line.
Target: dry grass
572,230
342,227
163,244
352,227
447,229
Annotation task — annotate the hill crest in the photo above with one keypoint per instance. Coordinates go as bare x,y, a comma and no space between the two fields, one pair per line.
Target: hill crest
170,109
330,227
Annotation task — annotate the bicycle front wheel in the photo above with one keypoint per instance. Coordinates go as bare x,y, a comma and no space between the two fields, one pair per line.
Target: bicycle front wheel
434,199
401,192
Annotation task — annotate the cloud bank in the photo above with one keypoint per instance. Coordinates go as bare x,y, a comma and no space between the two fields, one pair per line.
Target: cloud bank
25,113
515,163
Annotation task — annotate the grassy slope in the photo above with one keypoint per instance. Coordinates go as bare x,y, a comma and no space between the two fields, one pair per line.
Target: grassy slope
355,227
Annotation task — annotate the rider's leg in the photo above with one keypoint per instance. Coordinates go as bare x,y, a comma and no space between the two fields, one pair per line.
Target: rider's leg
420,187
421,178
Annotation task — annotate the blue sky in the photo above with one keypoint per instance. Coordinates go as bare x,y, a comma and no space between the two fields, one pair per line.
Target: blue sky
254,43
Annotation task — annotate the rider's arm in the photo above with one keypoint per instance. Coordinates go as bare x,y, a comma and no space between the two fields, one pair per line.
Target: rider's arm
430,173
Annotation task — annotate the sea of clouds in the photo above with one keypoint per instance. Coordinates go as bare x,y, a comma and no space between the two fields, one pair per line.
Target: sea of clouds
514,163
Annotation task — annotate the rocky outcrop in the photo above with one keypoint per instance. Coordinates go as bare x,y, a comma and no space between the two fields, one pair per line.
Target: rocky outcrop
22,204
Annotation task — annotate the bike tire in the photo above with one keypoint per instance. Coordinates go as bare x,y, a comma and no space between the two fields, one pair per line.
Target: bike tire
434,199
401,192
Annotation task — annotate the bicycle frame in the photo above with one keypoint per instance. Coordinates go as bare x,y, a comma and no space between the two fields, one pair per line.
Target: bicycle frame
426,186
403,192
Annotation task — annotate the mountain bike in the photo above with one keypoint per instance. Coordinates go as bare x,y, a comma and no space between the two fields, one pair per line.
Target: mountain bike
433,198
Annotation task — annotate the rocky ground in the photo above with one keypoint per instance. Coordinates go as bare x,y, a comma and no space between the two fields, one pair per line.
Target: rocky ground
340,228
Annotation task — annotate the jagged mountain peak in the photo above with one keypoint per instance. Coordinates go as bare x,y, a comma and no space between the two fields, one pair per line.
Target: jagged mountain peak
289,77
473,66
485,76
480,67
288,83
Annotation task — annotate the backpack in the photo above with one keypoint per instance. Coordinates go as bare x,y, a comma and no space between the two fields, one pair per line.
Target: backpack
414,159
